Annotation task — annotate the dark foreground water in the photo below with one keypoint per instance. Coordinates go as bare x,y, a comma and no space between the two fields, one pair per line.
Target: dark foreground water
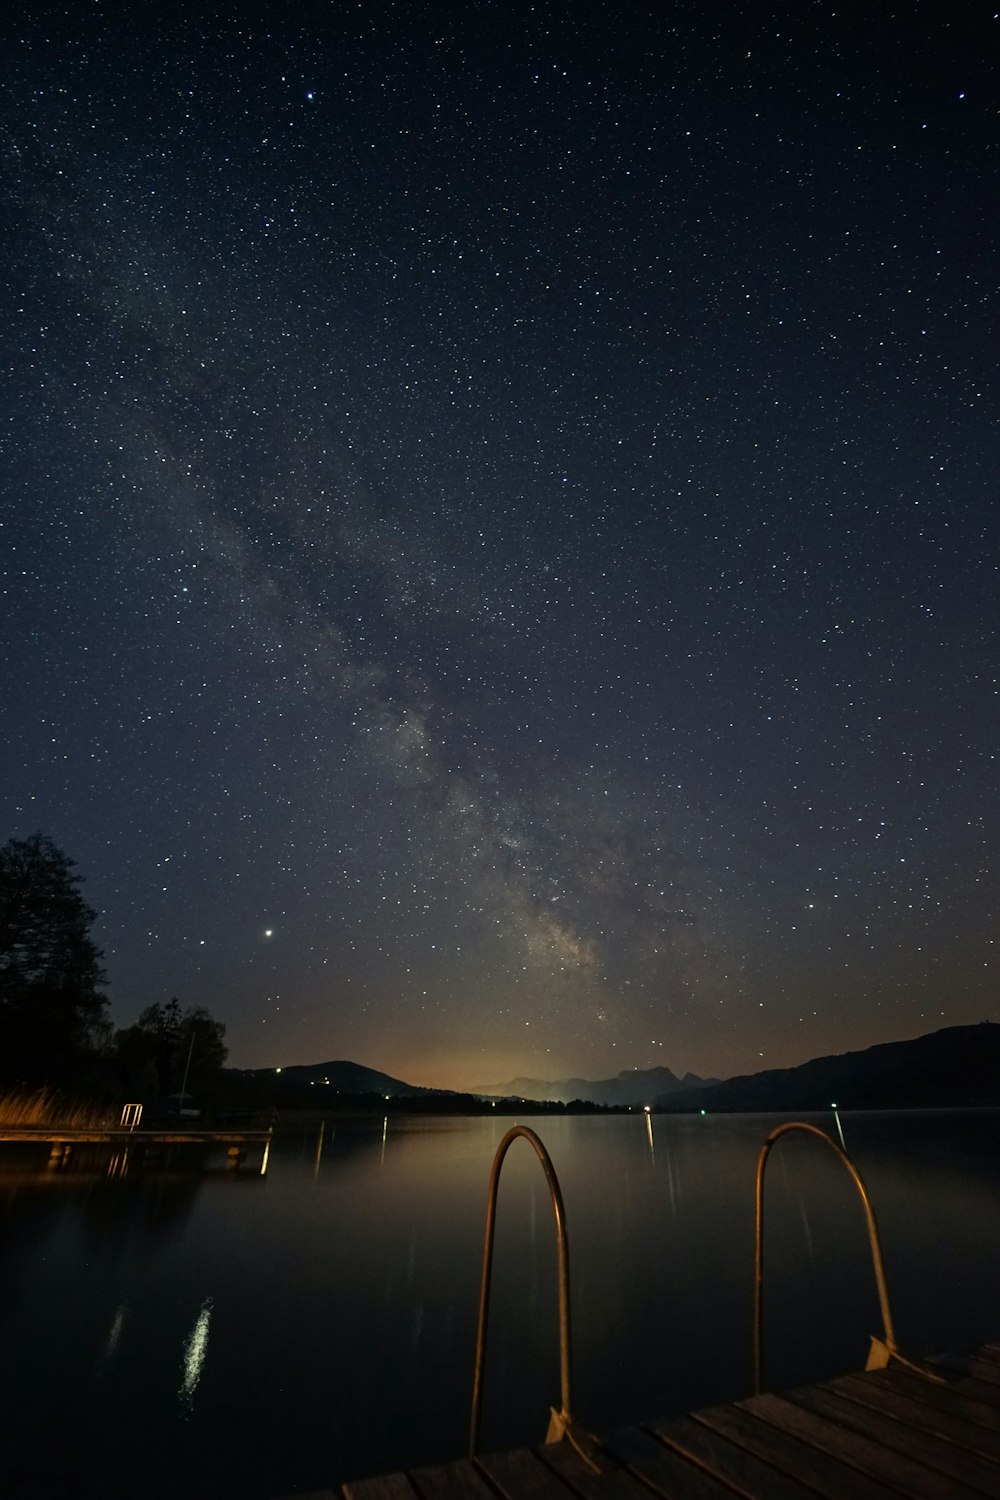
210,1334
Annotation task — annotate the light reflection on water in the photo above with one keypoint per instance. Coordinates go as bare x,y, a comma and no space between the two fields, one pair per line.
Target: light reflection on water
194,1355
341,1290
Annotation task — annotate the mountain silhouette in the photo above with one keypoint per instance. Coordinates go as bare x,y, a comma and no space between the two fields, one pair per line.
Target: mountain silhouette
957,1066
631,1086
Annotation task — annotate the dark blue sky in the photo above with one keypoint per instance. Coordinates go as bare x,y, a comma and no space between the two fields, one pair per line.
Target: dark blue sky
499,535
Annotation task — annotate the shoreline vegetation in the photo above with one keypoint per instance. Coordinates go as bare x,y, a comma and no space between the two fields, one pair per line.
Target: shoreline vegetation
34,1109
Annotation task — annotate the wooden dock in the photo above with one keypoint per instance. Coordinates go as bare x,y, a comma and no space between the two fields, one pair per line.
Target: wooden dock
136,1145
873,1436
167,1135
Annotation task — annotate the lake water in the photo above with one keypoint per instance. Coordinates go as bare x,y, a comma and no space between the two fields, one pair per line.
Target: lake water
223,1333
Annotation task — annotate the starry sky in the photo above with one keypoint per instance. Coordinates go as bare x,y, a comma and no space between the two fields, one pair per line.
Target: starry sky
499,528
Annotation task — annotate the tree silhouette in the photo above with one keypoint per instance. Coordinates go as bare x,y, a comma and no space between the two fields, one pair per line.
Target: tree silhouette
50,968
167,1043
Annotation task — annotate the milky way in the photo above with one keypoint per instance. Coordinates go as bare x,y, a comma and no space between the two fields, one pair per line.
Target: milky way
499,538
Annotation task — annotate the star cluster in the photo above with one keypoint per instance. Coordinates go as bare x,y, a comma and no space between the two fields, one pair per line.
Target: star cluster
499,541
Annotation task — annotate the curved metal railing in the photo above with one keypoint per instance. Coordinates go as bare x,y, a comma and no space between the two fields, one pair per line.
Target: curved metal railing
882,1349
562,1420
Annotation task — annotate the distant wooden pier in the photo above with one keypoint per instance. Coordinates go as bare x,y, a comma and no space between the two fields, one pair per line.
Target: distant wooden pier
62,1142
885,1433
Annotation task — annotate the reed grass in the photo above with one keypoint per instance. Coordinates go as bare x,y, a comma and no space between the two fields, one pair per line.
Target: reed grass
44,1107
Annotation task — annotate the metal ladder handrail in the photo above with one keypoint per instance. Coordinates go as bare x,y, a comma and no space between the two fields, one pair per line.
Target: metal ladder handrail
882,1350
561,1421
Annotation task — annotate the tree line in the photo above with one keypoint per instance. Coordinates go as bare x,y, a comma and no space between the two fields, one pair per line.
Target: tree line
54,1022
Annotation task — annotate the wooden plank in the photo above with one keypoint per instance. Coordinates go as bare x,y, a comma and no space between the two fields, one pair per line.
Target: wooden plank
521,1475
970,1385
748,1475
982,1369
895,1469
610,1483
457,1481
990,1352
827,1475
382,1487
916,1443
945,1397
968,1364
933,1415
663,1469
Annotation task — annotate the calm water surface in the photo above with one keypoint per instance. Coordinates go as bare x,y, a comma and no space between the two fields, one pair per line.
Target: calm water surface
221,1333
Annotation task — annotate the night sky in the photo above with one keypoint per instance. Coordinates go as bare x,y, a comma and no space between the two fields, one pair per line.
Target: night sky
499,527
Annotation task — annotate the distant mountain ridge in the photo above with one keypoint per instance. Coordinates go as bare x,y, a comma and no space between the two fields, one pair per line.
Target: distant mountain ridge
345,1078
956,1067
631,1086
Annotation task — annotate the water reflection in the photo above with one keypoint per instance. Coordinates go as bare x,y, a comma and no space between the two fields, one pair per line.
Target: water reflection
671,1189
114,1332
195,1350
840,1128
370,1261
